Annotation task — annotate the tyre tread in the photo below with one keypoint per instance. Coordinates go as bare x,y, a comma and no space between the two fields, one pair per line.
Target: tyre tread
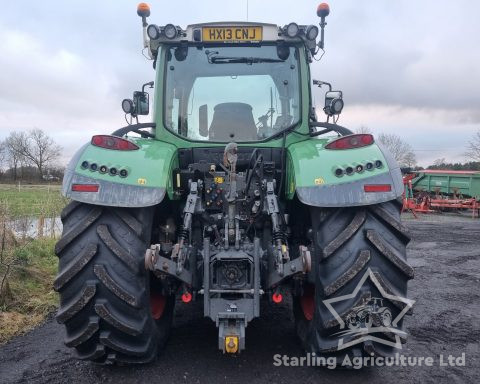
103,291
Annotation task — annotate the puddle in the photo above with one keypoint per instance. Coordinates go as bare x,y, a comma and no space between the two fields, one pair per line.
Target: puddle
34,227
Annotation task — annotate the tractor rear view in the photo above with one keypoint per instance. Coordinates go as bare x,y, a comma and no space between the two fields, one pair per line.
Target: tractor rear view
234,194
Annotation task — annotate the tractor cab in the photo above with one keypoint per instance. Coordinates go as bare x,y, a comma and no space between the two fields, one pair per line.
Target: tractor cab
256,91
231,81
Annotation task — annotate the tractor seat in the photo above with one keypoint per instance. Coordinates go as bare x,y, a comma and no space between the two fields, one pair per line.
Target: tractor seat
233,122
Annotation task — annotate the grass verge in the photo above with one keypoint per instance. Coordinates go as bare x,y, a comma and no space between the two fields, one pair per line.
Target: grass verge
26,297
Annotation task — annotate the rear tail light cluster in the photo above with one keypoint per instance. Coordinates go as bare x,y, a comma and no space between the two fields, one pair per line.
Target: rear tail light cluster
351,141
377,187
103,169
113,142
358,168
85,187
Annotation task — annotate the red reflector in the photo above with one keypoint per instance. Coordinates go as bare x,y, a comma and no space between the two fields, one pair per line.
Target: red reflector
113,142
377,187
85,187
351,141
277,298
187,297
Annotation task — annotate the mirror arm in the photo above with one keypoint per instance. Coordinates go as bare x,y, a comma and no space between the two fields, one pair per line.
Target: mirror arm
319,83
149,84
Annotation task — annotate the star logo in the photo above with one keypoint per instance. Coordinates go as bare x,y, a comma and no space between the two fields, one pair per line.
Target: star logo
363,314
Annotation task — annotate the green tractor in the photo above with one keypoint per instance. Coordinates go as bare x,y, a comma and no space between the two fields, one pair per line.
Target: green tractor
235,194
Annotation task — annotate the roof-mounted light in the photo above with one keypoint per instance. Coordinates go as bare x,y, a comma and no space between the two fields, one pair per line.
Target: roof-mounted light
127,106
170,31
153,32
336,106
292,30
311,32
323,10
143,10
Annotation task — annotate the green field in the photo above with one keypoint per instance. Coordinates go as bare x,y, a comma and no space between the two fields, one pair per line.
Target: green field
31,200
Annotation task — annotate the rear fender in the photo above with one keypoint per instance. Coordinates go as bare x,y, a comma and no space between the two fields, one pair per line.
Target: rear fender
147,181
311,175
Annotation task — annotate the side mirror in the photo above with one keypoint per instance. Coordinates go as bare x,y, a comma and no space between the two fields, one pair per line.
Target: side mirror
203,120
141,102
333,103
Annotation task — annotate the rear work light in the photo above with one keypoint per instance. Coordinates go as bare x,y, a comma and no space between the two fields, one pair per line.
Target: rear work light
351,141
113,142
377,187
85,187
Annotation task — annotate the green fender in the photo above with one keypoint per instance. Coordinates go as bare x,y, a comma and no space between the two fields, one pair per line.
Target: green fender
311,174
147,181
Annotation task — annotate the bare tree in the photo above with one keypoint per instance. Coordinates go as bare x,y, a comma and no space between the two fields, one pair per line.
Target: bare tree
39,149
3,158
409,160
363,129
3,154
13,149
473,148
401,150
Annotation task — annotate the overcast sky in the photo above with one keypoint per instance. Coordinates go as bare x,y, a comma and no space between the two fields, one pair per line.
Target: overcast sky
409,68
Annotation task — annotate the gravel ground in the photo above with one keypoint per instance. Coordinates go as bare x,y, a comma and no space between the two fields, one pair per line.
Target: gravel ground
445,321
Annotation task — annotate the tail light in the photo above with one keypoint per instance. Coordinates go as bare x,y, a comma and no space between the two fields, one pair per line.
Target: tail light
377,187
351,141
113,142
85,187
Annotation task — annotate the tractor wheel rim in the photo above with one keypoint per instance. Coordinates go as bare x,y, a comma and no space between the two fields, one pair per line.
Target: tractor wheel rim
307,302
157,305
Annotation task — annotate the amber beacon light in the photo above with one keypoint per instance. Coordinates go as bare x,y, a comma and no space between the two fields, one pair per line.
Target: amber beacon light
143,10
323,10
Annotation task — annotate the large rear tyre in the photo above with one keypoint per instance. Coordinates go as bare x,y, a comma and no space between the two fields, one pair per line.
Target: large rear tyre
105,295
362,250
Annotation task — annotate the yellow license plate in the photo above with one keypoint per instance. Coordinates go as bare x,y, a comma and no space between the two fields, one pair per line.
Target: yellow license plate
232,34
